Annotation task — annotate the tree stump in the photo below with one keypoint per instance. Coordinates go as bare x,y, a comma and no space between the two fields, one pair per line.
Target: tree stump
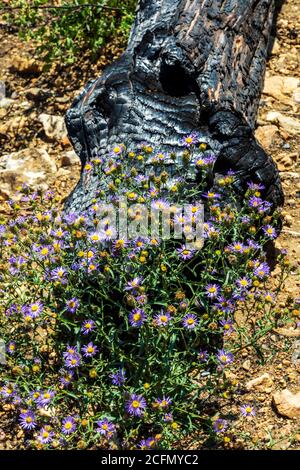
190,65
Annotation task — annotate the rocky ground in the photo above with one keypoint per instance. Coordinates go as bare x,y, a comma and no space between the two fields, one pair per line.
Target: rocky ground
34,148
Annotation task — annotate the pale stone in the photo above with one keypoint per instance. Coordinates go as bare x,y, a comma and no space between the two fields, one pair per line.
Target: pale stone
31,166
290,124
266,135
287,403
263,383
54,126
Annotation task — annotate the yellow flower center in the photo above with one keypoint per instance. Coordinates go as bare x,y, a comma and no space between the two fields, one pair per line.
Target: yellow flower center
137,316
189,140
68,425
135,404
164,319
190,321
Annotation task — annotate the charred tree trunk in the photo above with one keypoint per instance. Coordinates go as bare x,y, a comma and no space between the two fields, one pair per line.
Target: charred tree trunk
189,65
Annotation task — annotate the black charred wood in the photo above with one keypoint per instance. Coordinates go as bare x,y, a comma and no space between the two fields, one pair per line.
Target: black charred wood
189,65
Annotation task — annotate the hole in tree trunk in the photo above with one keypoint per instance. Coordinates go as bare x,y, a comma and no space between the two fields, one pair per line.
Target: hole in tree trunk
176,81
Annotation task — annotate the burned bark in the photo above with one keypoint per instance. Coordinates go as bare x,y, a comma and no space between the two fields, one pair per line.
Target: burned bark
189,65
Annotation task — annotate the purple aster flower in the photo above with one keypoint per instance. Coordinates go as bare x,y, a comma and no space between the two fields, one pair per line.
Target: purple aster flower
72,305
203,356
59,233
134,284
45,251
253,245
168,418
227,326
212,291
89,350
120,243
225,305
35,309
28,316
68,425
59,274
264,207
237,247
269,297
27,420
244,283
255,202
211,195
224,357
220,425
12,310
164,402
105,428
189,140
45,398
136,405
45,436
190,321
255,186
137,317
11,348
185,253
118,378
88,326
8,391
247,410
270,231
245,220
67,376
71,351
162,318
262,270
72,361
117,150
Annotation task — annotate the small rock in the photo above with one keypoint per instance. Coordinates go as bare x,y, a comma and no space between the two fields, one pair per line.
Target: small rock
54,126
26,66
263,383
288,219
35,94
287,403
291,125
281,88
289,333
32,166
246,365
276,47
286,161
296,353
266,135
5,103
69,159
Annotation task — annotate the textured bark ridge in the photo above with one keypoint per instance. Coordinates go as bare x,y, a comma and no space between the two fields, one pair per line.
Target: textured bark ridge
189,65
